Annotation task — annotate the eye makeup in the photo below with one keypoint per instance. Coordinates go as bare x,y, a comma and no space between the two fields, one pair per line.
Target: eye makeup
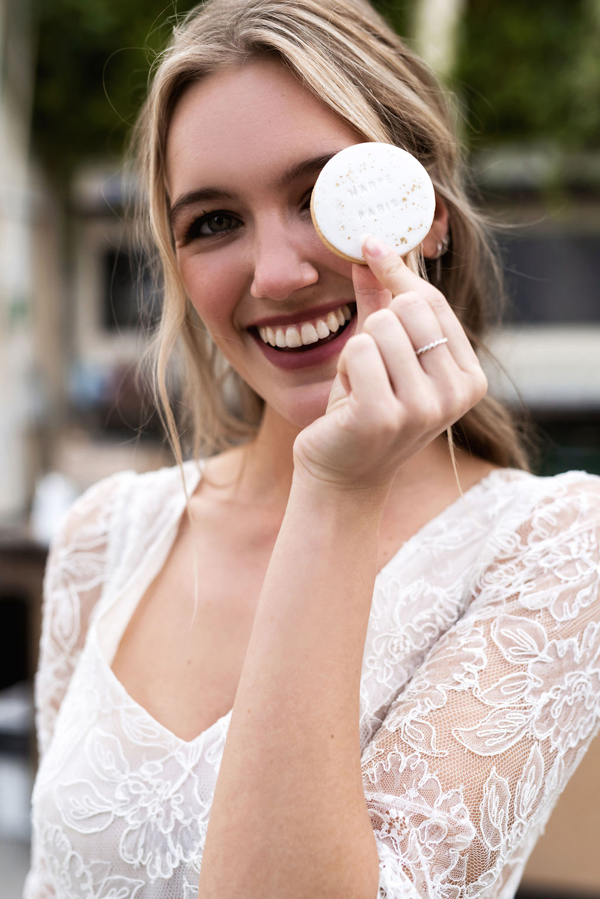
221,222
211,224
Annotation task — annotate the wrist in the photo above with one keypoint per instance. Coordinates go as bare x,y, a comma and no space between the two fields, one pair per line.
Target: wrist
366,497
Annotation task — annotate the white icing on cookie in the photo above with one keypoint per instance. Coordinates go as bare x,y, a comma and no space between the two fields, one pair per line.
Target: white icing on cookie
375,189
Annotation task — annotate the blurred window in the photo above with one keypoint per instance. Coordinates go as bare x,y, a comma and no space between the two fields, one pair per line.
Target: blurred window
130,299
568,442
553,278
13,639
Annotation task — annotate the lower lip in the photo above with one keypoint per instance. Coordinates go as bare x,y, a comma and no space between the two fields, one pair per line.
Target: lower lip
306,358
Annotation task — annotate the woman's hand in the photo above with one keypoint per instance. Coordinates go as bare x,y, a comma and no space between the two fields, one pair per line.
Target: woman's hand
387,403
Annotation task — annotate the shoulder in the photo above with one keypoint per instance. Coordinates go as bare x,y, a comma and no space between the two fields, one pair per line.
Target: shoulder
530,517
566,500
563,502
112,521
121,495
85,526
545,547
148,501
146,508
568,482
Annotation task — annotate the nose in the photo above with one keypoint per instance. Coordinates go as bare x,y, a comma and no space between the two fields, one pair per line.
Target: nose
281,263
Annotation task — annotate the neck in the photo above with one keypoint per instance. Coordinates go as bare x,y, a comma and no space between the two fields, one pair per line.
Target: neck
260,473
269,458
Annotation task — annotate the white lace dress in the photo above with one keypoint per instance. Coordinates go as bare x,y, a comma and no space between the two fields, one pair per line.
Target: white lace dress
480,693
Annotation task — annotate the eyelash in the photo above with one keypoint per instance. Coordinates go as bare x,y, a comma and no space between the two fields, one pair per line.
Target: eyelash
193,231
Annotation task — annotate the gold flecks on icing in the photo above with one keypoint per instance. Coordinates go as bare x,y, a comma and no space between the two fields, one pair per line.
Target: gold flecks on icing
376,180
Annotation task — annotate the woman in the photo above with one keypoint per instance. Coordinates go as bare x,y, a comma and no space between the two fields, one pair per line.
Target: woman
405,677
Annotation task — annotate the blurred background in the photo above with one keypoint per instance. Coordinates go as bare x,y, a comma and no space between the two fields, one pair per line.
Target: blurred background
72,76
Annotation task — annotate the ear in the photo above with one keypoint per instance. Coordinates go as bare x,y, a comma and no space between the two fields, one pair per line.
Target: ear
438,231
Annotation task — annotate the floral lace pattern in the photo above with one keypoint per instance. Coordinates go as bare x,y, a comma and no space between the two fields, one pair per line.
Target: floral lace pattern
480,692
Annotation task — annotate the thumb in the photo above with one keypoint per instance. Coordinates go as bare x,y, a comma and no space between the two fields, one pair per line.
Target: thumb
371,295
340,391
389,268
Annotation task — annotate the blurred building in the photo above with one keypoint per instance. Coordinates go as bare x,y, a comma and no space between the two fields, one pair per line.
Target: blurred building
70,282
70,335
549,345
17,198
17,405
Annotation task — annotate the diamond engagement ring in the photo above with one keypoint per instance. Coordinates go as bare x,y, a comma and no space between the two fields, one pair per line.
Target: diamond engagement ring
431,346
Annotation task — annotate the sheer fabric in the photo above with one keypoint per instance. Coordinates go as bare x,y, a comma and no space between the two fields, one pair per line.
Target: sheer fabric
480,692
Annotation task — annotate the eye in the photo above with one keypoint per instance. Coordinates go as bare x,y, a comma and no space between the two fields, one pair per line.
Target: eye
212,224
306,200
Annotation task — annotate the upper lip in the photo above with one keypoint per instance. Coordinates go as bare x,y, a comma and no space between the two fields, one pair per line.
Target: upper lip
301,315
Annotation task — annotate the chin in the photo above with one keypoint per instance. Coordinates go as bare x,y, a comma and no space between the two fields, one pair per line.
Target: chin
305,405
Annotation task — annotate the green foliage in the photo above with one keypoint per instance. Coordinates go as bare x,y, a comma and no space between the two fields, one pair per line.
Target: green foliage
93,60
531,71
527,71
396,12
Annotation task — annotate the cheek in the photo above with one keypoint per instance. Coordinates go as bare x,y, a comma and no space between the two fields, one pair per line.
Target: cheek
213,286
326,261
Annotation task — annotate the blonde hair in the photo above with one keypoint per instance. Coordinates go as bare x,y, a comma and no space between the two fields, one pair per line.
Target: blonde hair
347,55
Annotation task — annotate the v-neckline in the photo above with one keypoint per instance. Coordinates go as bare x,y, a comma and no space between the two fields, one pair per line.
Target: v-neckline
165,543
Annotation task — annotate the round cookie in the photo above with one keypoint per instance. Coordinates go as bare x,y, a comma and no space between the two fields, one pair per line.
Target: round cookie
372,188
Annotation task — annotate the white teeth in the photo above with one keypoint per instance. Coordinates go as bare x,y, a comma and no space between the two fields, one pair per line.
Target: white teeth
292,337
321,329
308,333
332,322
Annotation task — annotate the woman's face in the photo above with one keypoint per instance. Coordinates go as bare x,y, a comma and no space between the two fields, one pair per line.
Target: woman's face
245,147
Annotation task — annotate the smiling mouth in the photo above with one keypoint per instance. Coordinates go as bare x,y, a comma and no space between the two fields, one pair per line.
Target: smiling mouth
304,338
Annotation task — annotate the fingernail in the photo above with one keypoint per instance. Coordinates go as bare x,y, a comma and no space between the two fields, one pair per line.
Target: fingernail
374,247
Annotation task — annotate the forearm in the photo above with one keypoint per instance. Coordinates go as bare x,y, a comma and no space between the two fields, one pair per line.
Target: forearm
289,816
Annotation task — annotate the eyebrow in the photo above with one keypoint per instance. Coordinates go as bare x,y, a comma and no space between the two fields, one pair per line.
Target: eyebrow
208,194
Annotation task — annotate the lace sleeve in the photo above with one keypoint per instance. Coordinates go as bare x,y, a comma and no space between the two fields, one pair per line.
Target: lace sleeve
73,583
471,758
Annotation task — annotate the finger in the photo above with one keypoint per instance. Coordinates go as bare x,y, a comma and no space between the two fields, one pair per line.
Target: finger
422,327
370,294
387,266
390,270
432,383
360,363
395,346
